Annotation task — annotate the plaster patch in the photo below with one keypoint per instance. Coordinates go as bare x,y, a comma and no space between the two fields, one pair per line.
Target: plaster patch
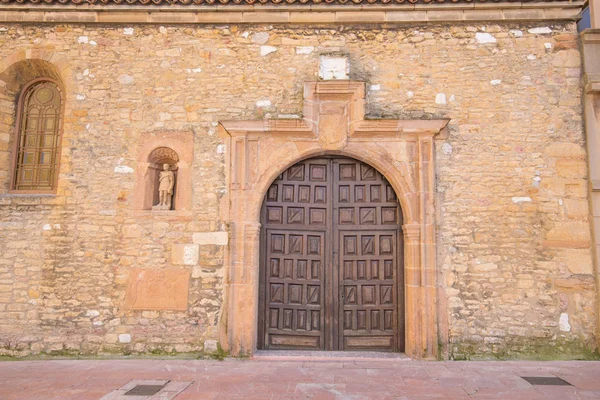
82,39
548,45
440,98
540,30
128,31
563,322
81,97
265,50
531,57
484,38
47,227
92,313
375,88
495,82
518,200
221,149
410,95
93,43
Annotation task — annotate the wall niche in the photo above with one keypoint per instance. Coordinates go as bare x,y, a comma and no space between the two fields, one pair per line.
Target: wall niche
163,177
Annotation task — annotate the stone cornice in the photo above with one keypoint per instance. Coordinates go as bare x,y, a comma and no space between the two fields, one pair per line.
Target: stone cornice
286,12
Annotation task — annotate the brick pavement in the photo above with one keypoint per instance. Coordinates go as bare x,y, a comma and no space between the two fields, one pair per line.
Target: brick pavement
299,379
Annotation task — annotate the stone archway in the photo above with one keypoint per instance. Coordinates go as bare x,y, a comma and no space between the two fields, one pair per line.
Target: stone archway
333,123
331,268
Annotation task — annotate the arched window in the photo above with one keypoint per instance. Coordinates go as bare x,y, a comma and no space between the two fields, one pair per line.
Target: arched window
38,141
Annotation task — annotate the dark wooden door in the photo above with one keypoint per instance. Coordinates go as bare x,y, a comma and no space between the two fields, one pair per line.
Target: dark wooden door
331,262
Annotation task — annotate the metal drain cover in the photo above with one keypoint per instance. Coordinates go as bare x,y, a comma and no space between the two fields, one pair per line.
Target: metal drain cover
546,380
145,390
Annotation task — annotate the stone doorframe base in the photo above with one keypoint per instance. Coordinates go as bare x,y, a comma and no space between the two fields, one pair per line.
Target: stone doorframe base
333,123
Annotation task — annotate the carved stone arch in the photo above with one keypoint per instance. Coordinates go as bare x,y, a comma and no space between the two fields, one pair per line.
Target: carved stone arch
402,150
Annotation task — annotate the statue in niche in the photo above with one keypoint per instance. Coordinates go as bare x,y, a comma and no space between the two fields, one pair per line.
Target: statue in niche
166,183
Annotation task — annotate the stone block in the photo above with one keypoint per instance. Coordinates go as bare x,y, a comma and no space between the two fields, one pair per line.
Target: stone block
569,234
208,238
210,346
157,289
185,254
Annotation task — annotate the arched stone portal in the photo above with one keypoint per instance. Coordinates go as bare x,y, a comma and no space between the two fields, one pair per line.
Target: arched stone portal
333,124
331,266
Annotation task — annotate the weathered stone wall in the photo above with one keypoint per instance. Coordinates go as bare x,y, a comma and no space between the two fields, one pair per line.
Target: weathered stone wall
514,244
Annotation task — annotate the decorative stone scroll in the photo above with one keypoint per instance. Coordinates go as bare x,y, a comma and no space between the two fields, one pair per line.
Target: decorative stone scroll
333,123
157,289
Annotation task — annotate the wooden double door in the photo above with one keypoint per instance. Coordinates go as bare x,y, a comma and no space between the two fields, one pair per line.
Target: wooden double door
331,275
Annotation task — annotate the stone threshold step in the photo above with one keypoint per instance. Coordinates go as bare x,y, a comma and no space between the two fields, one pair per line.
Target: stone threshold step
307,355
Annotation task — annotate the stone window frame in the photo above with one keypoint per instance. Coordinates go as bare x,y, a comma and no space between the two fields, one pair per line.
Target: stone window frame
18,131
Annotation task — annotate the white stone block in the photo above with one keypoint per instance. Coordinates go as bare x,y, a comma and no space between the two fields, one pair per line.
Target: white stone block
518,200
263,103
484,38
563,322
218,238
260,37
128,31
123,169
495,82
210,346
265,50
125,338
334,67
540,31
304,49
516,33
440,98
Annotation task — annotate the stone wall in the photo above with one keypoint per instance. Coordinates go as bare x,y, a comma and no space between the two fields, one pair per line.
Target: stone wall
514,257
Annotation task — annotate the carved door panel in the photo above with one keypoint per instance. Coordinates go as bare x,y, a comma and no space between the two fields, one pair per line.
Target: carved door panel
330,274
366,227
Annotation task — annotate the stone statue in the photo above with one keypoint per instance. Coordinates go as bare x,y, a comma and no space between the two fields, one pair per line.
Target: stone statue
166,183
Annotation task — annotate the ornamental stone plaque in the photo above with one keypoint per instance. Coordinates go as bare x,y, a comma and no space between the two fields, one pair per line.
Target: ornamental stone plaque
157,289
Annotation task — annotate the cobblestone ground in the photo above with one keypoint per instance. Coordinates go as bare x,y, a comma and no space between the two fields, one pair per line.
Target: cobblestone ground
252,379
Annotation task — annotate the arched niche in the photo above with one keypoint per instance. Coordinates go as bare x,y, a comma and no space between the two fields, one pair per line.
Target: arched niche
157,160
157,149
